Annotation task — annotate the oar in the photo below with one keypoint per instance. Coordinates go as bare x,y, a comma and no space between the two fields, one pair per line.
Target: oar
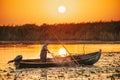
53,57
65,48
71,55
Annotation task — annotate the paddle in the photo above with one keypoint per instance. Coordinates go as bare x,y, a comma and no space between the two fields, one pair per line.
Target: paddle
53,56
64,47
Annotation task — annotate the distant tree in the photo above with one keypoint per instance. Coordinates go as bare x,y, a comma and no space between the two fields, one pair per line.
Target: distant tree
105,31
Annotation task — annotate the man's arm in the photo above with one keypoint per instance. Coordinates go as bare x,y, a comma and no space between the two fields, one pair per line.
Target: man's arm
48,51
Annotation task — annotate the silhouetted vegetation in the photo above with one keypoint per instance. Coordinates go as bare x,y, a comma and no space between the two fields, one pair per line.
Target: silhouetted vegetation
97,31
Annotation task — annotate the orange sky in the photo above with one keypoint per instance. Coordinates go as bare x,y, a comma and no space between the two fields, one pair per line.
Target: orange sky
45,11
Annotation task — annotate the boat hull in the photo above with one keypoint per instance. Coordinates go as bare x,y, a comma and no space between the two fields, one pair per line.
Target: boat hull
85,59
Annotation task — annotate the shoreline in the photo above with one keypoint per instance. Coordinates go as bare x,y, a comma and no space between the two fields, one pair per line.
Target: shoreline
60,42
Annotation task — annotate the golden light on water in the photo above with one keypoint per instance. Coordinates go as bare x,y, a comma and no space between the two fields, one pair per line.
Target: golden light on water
33,51
62,52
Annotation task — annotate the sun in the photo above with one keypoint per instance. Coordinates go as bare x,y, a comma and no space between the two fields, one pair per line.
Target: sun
61,9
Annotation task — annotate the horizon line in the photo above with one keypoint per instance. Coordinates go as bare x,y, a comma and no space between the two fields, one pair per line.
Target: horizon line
61,23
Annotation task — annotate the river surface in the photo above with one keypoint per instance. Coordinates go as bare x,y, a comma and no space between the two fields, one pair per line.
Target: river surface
8,52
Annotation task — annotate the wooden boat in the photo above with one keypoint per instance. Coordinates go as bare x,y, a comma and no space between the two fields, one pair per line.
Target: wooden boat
85,59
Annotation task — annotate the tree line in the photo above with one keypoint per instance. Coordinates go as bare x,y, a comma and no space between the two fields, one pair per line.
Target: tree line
96,31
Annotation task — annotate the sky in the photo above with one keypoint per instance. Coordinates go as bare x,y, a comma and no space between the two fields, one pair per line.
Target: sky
46,11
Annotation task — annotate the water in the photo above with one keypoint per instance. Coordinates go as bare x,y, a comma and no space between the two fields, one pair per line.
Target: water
10,51
107,68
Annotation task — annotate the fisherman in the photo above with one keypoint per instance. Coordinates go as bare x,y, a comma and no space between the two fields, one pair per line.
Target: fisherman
44,51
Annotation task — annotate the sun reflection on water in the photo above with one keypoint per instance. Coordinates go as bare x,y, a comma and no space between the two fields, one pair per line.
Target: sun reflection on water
62,52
